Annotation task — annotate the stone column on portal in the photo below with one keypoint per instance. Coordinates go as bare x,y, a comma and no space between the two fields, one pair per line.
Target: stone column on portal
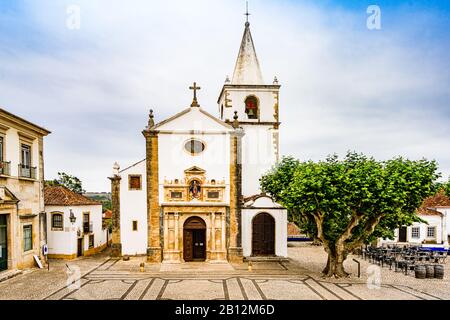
166,231
154,241
177,218
116,245
223,242
213,232
235,253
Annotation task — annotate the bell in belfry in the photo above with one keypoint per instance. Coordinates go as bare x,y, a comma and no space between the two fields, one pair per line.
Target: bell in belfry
251,112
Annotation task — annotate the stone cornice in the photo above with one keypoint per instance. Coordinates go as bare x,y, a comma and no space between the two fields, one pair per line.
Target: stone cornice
22,123
150,133
252,87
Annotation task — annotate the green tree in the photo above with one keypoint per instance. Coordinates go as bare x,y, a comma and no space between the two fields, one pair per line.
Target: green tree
447,188
68,181
347,203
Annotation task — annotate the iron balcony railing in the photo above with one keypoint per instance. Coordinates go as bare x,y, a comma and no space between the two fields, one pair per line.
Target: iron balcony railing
5,168
88,227
27,171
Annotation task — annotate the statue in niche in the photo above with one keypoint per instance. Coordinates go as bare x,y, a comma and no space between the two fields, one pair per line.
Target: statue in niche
194,189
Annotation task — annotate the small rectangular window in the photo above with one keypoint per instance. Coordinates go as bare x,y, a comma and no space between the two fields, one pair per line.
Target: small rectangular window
134,182
26,156
57,221
176,195
91,241
431,232
213,194
27,238
415,232
135,225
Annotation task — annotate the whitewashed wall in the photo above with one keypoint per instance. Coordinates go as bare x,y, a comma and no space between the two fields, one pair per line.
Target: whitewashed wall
65,242
258,156
446,224
13,151
174,160
433,221
133,207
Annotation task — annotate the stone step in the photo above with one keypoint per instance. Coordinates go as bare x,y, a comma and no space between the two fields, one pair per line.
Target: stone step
8,274
266,259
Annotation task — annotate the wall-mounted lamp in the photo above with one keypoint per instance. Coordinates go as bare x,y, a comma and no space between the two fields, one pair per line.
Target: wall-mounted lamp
72,217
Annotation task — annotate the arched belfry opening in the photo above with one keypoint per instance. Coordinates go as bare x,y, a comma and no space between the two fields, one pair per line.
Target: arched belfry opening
251,107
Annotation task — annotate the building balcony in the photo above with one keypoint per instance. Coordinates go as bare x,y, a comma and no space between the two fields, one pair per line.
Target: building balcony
88,227
5,168
27,172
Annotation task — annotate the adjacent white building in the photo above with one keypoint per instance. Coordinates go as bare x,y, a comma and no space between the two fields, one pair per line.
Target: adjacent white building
435,211
74,224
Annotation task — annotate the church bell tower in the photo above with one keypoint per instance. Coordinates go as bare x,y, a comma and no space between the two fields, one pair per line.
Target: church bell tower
257,107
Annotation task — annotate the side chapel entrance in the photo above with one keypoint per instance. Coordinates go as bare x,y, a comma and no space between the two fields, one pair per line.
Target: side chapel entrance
194,240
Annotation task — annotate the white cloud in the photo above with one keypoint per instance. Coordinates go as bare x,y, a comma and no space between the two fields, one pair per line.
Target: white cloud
343,86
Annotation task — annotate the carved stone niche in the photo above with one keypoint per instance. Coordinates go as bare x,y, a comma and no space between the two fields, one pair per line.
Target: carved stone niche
194,187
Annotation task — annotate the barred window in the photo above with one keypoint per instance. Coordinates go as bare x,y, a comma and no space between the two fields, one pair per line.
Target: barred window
415,232
27,238
431,232
135,225
57,221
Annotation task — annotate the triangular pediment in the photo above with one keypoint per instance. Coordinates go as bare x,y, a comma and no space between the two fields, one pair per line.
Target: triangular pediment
6,196
261,201
193,119
194,170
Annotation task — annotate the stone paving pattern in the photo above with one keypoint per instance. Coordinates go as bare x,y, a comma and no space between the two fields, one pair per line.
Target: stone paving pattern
102,277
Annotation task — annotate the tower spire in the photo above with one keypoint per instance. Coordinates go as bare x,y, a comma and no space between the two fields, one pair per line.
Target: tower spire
247,69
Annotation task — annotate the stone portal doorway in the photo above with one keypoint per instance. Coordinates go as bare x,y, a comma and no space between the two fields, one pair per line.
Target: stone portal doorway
263,235
194,240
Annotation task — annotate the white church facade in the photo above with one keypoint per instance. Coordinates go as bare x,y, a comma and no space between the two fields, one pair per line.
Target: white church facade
196,195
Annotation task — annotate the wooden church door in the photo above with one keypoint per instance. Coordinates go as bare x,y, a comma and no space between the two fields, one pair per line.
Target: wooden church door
263,235
194,240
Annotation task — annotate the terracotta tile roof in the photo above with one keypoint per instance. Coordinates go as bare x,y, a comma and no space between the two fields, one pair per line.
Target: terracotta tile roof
61,196
107,214
293,229
438,200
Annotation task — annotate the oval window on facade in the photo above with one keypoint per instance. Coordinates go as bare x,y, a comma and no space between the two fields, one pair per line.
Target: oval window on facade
194,147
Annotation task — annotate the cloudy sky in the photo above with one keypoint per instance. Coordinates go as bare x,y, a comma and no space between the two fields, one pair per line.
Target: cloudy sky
345,87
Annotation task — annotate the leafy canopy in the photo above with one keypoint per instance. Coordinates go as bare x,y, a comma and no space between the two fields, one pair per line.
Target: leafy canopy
353,200
68,181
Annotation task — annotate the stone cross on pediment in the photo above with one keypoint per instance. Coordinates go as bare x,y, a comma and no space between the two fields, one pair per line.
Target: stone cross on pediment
194,101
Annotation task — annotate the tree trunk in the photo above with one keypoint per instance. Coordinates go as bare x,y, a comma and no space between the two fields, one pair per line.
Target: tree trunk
335,264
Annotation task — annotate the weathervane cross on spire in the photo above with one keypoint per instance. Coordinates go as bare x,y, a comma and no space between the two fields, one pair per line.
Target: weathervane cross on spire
194,101
246,13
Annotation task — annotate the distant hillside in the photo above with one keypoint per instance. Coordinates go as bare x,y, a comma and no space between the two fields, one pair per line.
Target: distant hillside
103,197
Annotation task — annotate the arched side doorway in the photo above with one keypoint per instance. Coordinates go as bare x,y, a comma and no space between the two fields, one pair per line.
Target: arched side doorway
194,240
263,235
